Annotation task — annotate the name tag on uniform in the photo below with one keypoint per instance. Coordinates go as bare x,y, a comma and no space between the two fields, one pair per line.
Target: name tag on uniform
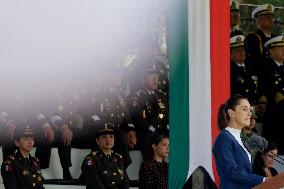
104,172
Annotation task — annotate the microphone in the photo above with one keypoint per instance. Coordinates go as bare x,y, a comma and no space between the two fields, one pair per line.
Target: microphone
260,144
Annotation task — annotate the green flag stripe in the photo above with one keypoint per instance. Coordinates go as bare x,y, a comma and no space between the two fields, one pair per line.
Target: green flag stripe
179,94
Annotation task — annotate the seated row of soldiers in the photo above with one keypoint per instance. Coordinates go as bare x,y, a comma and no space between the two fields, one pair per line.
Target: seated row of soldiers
257,70
72,122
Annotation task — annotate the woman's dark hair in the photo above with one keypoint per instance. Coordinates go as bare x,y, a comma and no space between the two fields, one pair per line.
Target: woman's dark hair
258,161
156,139
223,116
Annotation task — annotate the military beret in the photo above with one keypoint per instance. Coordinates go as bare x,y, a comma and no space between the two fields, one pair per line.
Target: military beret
266,9
275,42
237,41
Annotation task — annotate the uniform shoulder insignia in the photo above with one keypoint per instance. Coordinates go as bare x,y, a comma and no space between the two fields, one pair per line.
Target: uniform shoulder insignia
120,156
139,92
161,93
11,157
35,159
89,160
7,165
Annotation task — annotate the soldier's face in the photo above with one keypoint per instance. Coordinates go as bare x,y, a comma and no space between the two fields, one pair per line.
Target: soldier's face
238,55
277,53
151,81
234,18
162,149
25,144
265,21
106,142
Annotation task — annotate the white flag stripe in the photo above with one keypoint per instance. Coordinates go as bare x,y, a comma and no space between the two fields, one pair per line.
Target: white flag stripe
199,86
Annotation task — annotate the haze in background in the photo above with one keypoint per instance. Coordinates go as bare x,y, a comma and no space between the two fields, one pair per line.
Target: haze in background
60,45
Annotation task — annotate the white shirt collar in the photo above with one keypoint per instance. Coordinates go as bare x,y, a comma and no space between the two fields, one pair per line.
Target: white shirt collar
278,63
235,132
237,135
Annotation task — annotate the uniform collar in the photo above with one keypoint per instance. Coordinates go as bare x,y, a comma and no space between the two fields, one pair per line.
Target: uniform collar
278,63
240,64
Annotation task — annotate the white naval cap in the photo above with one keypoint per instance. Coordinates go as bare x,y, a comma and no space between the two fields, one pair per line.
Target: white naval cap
275,42
237,41
234,5
266,9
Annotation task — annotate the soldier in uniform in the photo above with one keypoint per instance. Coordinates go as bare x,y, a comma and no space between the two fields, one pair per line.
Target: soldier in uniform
243,81
52,129
234,19
109,105
274,87
149,110
254,41
21,170
103,169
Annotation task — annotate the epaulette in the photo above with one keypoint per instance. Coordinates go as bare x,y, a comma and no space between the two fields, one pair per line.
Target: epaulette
259,38
162,92
11,157
35,158
120,156
139,92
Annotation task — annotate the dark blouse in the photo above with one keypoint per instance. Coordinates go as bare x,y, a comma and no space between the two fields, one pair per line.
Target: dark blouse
153,175
260,171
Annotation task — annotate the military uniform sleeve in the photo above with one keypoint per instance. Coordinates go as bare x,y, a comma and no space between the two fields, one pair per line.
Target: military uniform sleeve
124,182
91,173
138,113
9,175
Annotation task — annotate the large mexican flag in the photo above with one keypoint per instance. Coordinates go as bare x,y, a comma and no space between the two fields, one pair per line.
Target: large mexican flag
199,83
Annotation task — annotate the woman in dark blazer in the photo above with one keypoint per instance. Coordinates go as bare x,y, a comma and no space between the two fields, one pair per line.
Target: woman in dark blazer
232,159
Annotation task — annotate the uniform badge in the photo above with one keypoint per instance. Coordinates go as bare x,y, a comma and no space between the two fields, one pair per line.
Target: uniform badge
161,104
8,168
25,172
90,162
120,171
239,39
104,172
269,7
39,178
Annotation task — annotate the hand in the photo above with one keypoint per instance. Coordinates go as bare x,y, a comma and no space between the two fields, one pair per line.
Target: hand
48,133
10,129
131,139
67,135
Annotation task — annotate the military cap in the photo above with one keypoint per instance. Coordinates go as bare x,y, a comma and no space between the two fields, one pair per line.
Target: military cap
151,68
237,41
23,131
234,6
105,129
266,9
275,42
